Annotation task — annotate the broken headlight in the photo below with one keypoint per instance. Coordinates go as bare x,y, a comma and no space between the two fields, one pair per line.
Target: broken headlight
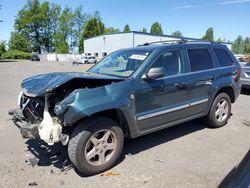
61,107
19,98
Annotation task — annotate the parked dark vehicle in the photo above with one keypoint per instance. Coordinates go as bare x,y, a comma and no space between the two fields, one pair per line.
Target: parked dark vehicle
35,57
130,93
245,76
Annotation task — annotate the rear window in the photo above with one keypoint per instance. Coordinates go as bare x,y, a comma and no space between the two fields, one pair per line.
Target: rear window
200,59
223,57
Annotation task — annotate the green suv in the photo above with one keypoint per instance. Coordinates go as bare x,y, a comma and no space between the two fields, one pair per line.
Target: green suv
129,93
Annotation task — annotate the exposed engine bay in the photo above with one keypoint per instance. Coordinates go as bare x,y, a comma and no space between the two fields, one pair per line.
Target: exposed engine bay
33,107
37,113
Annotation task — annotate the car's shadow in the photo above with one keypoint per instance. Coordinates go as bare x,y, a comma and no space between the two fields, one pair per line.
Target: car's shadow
239,176
44,155
57,156
245,91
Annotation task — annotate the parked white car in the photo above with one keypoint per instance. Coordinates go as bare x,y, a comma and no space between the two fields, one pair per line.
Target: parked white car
82,60
85,60
92,59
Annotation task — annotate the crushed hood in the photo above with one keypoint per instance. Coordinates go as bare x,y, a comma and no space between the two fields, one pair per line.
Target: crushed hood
44,83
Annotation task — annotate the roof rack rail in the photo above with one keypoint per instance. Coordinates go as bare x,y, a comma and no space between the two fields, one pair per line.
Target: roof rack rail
165,42
180,41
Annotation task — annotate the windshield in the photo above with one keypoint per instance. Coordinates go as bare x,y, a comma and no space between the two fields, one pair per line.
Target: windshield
121,63
247,64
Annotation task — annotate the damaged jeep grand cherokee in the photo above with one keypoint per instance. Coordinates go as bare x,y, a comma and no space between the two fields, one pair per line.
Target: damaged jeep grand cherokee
131,92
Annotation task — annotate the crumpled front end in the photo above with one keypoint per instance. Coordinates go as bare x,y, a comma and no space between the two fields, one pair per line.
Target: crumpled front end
35,121
48,107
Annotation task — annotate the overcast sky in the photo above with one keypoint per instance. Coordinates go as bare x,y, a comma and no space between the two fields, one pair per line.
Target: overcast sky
229,18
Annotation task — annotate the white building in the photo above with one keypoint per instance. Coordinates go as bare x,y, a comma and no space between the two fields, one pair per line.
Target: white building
102,45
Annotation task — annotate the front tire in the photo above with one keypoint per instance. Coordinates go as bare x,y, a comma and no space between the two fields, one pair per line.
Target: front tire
95,145
220,111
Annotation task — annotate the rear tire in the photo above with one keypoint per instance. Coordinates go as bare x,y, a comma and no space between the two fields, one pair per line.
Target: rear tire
95,145
220,111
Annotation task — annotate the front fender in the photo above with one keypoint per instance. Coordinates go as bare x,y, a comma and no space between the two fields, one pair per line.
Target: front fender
91,101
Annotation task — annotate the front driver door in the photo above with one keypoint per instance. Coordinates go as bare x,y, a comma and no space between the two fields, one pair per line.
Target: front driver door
161,101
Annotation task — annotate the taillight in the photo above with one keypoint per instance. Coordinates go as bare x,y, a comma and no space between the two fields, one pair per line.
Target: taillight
237,76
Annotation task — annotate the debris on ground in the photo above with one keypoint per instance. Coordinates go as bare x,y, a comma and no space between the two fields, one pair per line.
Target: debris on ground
66,166
33,161
61,182
146,179
27,154
246,122
160,161
51,172
110,174
33,184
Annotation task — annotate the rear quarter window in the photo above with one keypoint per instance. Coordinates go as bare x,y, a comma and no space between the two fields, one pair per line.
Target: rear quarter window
200,59
223,57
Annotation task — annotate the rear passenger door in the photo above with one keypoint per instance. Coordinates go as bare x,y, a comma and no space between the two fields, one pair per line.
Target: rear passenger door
202,76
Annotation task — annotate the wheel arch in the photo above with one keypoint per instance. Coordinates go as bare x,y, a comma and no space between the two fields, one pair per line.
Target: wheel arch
228,90
115,114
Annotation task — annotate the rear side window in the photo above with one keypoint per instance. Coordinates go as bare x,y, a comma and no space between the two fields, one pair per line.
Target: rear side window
223,57
200,59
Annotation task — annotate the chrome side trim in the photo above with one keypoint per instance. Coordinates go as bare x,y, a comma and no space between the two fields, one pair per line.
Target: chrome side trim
171,109
162,112
198,102
157,128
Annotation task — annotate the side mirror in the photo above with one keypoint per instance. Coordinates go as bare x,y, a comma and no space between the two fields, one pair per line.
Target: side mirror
154,73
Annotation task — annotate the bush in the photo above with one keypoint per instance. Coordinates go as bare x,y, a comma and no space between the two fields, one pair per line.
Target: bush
16,54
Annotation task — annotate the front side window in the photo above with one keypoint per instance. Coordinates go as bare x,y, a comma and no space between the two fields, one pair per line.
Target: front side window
122,63
171,61
199,59
223,57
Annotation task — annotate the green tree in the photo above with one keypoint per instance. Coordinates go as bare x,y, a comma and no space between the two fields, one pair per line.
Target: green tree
144,30
177,34
29,23
93,27
111,30
126,28
246,48
19,41
209,36
238,45
79,21
247,40
220,40
246,45
45,29
156,28
2,48
63,48
64,32
54,14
